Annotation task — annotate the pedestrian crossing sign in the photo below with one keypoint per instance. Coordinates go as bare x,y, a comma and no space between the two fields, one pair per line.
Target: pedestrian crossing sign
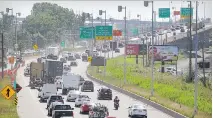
7,92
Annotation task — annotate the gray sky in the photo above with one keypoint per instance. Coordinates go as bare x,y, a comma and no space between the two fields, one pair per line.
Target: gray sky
133,7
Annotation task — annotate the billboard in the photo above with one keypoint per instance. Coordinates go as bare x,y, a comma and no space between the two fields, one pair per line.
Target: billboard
132,49
142,49
98,61
117,33
164,52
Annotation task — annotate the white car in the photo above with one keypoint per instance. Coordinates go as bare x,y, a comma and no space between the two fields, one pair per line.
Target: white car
80,99
72,95
59,84
137,110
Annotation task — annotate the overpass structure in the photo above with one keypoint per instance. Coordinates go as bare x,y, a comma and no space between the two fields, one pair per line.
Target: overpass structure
183,41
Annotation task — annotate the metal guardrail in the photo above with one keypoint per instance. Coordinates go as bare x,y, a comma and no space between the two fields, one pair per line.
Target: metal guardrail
140,98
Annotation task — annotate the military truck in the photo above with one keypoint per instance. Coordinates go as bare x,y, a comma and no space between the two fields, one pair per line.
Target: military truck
36,74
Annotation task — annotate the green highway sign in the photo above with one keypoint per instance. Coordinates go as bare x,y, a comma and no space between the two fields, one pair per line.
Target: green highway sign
185,12
63,44
87,33
103,32
164,12
135,31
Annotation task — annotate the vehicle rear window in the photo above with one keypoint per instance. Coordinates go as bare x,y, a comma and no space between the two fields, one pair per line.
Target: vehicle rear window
106,90
56,98
87,83
63,113
62,107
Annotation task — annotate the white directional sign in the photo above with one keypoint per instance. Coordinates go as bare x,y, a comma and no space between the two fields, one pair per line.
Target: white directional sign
134,42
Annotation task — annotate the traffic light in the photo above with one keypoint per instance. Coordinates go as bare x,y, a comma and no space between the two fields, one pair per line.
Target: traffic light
146,3
100,12
119,8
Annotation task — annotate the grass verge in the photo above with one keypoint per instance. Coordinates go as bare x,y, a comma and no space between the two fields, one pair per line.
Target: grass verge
7,107
169,91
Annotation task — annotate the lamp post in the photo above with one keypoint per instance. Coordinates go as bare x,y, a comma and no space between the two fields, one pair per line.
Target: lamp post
90,16
120,10
146,4
16,45
100,13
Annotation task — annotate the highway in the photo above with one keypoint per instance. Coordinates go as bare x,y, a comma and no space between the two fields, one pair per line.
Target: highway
30,107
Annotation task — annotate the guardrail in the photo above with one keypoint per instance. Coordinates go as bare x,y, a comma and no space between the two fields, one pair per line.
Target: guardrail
137,97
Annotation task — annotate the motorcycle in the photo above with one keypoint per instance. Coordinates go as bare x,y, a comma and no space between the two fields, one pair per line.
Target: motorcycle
116,105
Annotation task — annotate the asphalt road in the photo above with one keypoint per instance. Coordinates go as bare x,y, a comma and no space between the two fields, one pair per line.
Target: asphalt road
30,107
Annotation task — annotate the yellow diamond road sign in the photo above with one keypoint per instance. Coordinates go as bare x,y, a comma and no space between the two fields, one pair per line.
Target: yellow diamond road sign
35,47
89,59
8,92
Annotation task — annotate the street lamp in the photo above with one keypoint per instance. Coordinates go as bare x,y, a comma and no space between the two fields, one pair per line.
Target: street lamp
90,16
146,4
16,45
120,10
100,13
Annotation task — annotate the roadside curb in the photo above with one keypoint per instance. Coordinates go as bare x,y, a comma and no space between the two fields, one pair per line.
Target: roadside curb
140,98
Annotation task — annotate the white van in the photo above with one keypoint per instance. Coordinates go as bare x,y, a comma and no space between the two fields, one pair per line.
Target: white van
70,82
46,91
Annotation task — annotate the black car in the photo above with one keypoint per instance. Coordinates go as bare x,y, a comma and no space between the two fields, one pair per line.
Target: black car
71,58
87,85
73,63
84,57
54,98
104,93
63,60
182,30
77,56
63,113
117,50
58,106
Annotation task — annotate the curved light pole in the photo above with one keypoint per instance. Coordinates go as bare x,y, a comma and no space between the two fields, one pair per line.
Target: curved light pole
100,13
120,10
90,16
16,45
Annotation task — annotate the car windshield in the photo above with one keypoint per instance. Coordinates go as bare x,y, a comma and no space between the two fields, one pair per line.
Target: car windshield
62,107
138,107
58,114
56,98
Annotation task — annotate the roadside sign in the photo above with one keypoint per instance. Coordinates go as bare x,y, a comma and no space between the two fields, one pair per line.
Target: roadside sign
164,12
135,31
16,100
63,44
132,49
185,12
35,47
11,60
103,32
176,13
7,92
142,49
117,33
87,32
89,59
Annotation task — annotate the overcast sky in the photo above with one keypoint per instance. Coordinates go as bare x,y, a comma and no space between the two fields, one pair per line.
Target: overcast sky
133,7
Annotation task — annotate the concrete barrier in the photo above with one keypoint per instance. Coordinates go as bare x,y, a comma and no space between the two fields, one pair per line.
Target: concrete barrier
137,97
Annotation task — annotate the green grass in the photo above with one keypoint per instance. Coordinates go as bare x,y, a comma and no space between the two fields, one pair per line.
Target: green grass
7,107
169,91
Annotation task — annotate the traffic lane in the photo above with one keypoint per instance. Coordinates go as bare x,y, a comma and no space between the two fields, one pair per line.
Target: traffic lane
28,104
125,102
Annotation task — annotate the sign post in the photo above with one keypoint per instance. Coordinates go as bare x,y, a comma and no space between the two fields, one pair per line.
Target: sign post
103,32
164,12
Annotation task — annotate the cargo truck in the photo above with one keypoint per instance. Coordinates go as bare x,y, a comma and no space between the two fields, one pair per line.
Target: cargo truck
53,68
36,74
70,81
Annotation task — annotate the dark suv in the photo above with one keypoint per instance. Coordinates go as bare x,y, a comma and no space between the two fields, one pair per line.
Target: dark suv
87,85
104,93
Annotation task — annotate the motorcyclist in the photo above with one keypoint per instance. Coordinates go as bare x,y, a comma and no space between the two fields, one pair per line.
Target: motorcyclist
116,100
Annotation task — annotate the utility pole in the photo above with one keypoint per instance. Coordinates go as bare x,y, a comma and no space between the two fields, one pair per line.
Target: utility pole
2,44
196,78
190,41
